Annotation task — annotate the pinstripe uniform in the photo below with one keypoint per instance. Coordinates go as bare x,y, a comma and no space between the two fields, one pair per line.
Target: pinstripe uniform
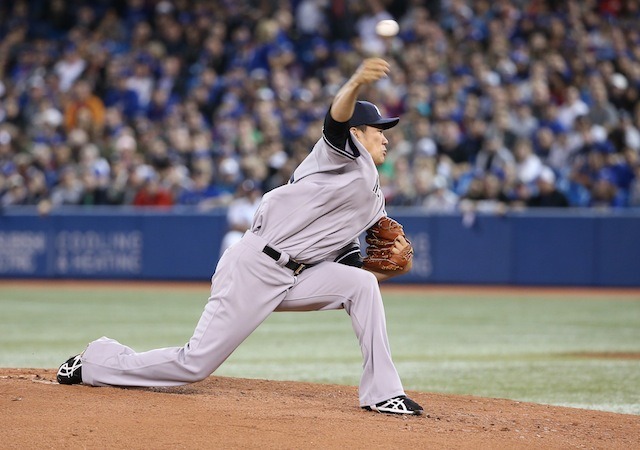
332,197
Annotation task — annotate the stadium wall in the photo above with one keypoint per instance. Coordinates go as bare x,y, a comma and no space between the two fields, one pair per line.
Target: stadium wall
580,248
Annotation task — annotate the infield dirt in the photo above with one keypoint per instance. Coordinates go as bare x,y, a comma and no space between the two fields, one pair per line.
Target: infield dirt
234,413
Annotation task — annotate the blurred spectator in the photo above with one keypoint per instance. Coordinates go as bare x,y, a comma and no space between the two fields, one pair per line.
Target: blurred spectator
70,67
152,193
561,153
634,189
522,121
547,195
240,213
37,191
141,80
494,156
69,189
199,189
441,199
120,96
474,138
211,94
601,111
605,194
16,192
543,141
484,195
84,110
93,192
572,107
528,164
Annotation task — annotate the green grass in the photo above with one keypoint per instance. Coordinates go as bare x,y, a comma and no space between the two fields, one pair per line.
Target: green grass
523,346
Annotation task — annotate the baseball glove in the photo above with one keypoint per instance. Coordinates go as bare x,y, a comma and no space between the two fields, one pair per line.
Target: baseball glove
381,238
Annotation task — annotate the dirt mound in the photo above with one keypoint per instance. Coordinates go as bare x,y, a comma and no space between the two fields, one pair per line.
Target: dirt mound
231,413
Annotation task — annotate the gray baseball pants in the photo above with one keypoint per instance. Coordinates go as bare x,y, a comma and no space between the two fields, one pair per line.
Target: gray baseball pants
248,285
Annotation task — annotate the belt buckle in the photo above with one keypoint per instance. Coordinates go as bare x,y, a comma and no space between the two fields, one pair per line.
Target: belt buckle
299,269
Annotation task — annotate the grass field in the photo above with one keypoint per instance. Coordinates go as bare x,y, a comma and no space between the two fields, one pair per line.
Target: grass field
570,348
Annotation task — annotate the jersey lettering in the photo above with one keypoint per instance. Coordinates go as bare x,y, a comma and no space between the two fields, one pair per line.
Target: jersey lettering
376,187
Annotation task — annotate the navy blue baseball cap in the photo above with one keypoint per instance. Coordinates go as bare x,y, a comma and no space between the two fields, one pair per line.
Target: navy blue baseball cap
366,113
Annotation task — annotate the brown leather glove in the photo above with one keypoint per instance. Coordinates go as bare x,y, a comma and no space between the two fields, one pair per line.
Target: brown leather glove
381,239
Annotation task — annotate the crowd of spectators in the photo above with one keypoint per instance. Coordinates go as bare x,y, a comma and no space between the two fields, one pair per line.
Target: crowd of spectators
503,103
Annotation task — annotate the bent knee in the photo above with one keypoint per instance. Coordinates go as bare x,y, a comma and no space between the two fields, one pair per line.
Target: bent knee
364,284
362,276
193,373
196,367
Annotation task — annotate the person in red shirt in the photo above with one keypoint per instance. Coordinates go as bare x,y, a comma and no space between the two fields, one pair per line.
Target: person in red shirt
152,193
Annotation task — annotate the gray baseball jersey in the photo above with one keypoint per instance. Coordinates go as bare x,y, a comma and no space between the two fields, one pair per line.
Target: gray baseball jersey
333,196
318,212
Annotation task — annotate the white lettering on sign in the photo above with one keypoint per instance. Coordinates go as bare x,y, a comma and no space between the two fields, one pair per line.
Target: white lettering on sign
422,262
19,250
94,253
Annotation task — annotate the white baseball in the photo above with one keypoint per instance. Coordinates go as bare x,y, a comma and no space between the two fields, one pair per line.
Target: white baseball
387,28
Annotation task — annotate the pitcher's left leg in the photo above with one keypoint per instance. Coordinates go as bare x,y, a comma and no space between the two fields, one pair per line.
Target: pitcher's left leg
330,286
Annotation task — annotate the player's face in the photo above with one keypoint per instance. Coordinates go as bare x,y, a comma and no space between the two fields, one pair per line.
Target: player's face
374,140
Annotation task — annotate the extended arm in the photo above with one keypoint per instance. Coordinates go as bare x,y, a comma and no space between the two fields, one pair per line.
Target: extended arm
336,126
369,71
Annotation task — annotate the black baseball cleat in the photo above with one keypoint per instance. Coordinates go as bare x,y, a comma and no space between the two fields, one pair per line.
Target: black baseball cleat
70,372
397,405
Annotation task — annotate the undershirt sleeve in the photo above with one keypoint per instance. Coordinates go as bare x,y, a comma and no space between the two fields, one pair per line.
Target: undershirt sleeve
350,255
337,134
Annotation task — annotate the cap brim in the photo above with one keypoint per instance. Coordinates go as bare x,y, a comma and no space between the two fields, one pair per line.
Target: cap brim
385,124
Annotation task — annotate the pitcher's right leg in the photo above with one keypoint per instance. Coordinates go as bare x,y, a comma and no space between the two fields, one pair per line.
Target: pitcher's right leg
241,298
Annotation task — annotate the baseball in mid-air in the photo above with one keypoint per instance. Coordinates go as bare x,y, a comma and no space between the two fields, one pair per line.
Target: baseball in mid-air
387,28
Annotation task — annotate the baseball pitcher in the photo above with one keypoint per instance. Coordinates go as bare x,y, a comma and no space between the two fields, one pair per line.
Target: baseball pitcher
301,254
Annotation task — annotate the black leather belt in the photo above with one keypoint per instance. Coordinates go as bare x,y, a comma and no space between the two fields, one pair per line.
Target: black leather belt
292,264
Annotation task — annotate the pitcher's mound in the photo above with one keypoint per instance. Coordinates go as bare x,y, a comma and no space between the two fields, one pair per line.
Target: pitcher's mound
220,412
